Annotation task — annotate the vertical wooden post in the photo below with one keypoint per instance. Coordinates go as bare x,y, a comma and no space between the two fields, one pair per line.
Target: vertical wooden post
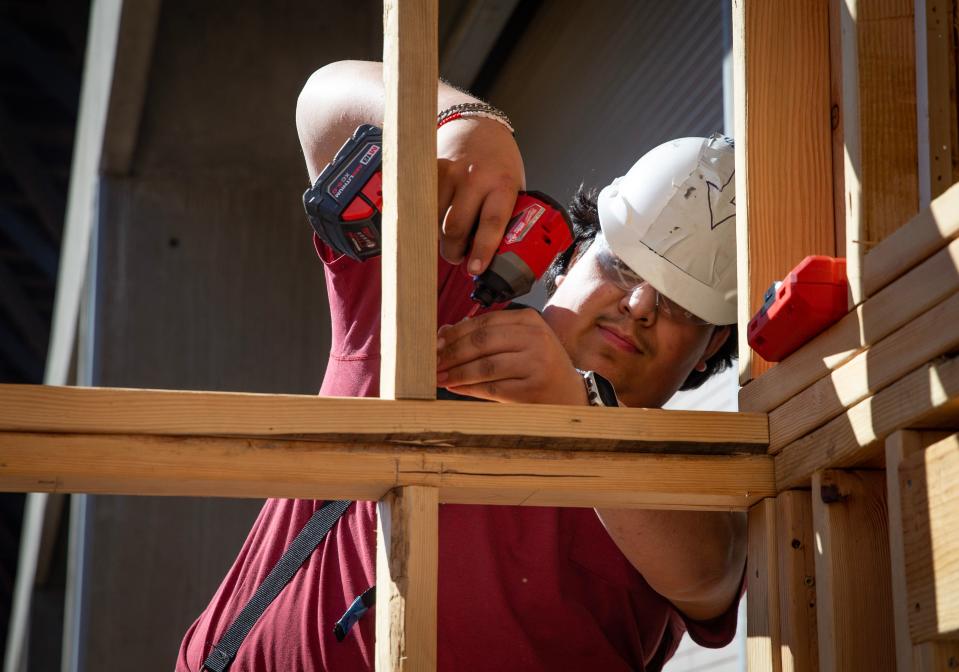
900,446
797,581
930,534
762,597
406,567
406,554
936,657
784,208
410,71
879,125
939,53
853,593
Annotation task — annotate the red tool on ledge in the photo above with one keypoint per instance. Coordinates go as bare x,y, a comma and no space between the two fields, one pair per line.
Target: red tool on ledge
811,298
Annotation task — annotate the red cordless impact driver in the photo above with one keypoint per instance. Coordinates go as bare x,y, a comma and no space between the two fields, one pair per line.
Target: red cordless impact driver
345,202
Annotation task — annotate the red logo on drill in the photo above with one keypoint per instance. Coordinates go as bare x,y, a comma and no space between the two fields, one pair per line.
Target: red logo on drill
522,222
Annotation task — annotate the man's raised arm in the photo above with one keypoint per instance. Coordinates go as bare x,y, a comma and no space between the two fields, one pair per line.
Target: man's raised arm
479,164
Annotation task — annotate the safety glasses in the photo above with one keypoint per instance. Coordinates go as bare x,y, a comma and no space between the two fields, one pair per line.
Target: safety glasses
620,275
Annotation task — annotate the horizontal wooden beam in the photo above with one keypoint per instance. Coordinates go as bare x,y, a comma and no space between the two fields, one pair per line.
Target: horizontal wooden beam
926,398
894,306
242,467
930,521
921,340
37,408
925,234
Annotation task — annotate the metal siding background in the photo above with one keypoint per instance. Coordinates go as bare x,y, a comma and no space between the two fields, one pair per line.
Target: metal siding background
590,87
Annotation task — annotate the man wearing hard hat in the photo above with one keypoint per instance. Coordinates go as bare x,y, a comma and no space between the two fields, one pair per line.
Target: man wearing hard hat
642,304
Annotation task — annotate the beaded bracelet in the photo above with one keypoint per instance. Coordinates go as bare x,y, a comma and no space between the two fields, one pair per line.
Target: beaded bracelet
482,110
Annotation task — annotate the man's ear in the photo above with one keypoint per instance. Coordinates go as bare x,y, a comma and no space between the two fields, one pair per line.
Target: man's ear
716,341
558,280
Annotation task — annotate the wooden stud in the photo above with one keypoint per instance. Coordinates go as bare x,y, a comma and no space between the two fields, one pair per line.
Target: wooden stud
351,469
406,580
926,398
41,408
935,657
783,147
924,235
797,581
762,598
853,592
929,486
940,56
879,126
889,309
410,72
919,341
899,446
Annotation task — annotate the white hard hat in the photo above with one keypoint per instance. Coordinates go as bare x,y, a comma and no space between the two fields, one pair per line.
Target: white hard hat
672,220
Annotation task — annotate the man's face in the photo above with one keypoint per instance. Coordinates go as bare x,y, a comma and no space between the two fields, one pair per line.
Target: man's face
621,335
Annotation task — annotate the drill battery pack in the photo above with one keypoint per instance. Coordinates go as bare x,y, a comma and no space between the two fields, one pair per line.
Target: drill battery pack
345,201
811,298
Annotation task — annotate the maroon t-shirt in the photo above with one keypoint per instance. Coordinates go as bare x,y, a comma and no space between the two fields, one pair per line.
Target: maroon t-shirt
520,588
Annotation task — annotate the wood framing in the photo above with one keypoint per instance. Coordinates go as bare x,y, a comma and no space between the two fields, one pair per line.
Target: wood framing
409,233
924,235
763,637
926,398
919,341
888,309
35,408
940,56
879,126
212,466
797,581
853,593
929,487
900,446
406,579
783,147
935,657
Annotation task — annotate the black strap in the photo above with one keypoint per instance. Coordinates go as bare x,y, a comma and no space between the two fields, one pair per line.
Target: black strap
306,541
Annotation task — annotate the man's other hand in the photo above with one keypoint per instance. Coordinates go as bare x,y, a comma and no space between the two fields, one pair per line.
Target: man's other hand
507,356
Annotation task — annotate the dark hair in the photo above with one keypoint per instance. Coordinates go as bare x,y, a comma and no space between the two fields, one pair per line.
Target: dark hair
585,218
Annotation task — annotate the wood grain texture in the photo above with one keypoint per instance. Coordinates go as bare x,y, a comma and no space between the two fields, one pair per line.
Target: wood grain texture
243,467
936,657
406,578
853,593
899,446
922,339
879,126
37,408
892,307
783,147
924,235
940,55
797,581
409,233
762,599
926,398
929,486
